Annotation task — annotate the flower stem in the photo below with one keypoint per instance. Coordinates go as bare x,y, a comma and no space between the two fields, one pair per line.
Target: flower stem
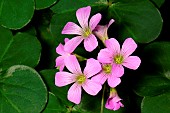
102,102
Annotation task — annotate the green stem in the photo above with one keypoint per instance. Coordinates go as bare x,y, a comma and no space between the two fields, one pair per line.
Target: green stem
102,102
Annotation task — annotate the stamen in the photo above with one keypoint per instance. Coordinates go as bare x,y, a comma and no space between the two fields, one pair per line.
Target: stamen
81,79
87,32
118,59
107,68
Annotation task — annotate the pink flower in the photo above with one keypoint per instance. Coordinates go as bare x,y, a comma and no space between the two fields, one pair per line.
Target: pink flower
119,57
78,78
61,51
101,31
84,32
113,102
106,74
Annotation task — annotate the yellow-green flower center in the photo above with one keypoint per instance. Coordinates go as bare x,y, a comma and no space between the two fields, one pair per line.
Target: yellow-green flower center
107,68
118,59
81,79
87,32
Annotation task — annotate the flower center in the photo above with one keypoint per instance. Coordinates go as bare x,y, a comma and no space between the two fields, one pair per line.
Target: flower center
87,32
107,68
81,79
118,59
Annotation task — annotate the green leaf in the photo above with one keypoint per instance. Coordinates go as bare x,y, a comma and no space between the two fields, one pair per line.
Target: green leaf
157,55
21,49
15,14
156,104
54,105
137,19
22,90
158,3
60,92
71,5
152,85
42,4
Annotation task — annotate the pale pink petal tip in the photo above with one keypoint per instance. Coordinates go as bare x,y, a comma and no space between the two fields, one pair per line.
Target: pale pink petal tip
90,43
110,22
82,15
74,93
92,67
128,47
132,62
72,28
94,21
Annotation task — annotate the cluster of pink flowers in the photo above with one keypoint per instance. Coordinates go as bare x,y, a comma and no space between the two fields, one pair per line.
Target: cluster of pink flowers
109,63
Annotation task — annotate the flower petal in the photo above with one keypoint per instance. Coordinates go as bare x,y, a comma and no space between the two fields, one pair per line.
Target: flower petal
128,47
74,93
72,28
113,81
64,78
117,70
101,78
82,15
104,56
60,63
72,65
92,67
60,49
132,62
113,45
71,45
90,43
110,22
66,40
92,87
94,21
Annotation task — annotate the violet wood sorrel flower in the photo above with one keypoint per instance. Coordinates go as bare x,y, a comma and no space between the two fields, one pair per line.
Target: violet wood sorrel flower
113,102
119,57
106,74
85,32
61,51
78,78
101,31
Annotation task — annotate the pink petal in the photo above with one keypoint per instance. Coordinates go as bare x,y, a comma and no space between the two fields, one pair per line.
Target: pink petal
104,56
132,62
74,93
60,49
94,21
113,81
101,78
110,22
82,15
113,45
64,78
72,28
73,65
128,47
60,63
117,70
92,67
90,43
100,32
92,87
66,40
71,45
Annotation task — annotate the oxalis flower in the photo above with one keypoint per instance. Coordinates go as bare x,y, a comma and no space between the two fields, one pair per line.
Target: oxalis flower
113,102
78,78
119,57
85,32
61,51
